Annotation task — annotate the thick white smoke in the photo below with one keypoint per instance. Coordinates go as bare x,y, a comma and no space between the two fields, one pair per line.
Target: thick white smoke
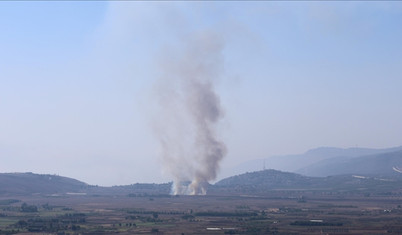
190,111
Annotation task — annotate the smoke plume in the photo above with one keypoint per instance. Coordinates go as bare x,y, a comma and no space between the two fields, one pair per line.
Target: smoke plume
190,111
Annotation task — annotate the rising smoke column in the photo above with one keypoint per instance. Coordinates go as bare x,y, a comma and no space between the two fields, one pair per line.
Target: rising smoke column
190,112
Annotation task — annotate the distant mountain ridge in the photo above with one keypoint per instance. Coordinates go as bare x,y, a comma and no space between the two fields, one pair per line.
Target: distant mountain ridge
297,162
381,164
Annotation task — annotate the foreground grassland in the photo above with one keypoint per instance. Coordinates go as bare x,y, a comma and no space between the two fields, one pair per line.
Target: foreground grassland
277,212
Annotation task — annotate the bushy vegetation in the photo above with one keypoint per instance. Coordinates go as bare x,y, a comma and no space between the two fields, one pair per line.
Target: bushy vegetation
28,208
58,223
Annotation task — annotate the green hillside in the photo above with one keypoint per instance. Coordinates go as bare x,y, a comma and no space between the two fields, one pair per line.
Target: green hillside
29,183
267,180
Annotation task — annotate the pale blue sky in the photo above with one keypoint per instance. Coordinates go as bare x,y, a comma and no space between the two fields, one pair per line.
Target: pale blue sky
77,81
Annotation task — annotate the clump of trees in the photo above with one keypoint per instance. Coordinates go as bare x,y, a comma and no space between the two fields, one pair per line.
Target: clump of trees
55,224
28,208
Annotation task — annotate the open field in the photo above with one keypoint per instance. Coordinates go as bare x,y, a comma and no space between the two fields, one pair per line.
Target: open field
276,212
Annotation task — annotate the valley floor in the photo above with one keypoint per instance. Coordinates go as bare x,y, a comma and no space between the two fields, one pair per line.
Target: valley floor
276,212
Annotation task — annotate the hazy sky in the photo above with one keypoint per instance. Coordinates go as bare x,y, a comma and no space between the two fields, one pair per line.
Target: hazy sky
77,81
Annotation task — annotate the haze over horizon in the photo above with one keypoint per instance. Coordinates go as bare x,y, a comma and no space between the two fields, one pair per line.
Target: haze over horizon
77,81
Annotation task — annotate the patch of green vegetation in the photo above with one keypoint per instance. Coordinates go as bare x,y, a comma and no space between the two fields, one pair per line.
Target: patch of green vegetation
64,222
28,208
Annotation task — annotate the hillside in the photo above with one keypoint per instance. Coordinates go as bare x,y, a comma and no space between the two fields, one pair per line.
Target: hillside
267,178
384,164
249,183
263,181
29,183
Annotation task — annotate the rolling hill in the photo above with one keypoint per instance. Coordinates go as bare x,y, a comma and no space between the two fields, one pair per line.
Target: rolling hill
29,183
12,184
266,180
258,182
